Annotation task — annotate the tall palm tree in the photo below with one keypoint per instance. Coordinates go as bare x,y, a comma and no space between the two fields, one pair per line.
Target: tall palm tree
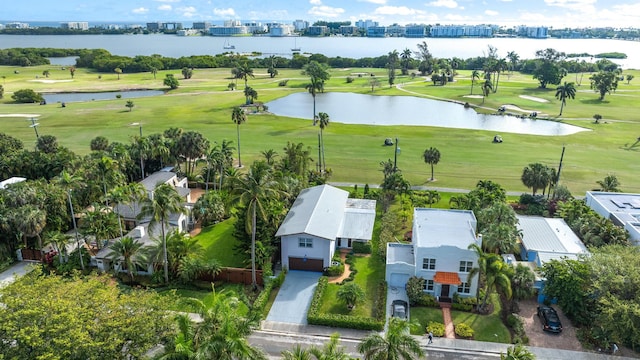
500,66
59,243
239,117
30,222
431,156
179,246
192,145
513,59
117,196
564,92
164,202
496,273
253,190
610,183
486,88
130,251
323,120
536,176
318,74
475,75
396,344
405,57
243,71
68,182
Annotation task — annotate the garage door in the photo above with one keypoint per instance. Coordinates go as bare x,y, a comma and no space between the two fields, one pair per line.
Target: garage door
398,280
296,263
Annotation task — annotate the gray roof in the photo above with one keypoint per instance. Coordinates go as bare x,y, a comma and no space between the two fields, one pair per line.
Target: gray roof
317,211
436,227
551,235
358,220
158,177
624,206
400,253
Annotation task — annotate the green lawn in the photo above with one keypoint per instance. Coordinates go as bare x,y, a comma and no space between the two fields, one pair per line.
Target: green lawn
370,274
218,243
421,316
175,298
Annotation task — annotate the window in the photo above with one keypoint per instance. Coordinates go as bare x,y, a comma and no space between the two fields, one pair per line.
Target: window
428,285
466,266
305,242
428,264
464,288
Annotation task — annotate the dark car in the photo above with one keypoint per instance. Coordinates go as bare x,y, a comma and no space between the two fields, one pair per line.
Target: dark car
399,309
549,318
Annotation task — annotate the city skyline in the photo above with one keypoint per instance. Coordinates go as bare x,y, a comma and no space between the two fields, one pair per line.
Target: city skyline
552,13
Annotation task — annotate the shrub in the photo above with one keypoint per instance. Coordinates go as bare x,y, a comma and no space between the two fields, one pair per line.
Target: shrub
436,328
428,300
461,307
27,96
415,289
349,79
464,330
283,82
360,247
336,270
380,304
516,323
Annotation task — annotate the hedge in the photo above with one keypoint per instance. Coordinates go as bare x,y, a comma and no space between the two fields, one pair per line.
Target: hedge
436,328
380,305
263,298
360,247
464,330
314,317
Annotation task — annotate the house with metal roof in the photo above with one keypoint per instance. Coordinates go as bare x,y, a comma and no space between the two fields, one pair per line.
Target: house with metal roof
621,208
439,253
545,239
321,219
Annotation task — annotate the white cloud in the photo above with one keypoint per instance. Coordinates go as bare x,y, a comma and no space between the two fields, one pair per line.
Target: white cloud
187,11
326,11
168,1
396,10
451,4
271,14
572,4
378,2
491,13
165,8
140,10
224,12
315,2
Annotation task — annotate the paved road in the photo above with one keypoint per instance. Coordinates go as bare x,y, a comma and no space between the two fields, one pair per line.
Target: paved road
9,276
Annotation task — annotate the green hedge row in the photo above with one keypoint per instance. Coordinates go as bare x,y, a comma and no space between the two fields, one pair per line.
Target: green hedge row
360,247
380,305
461,307
314,317
263,298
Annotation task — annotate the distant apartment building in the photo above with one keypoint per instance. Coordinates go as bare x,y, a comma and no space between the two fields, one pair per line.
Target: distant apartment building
201,25
365,24
533,32
228,30
2,26
317,30
349,30
232,23
75,25
256,27
376,31
300,25
396,30
416,31
281,30
154,26
187,32
17,25
461,31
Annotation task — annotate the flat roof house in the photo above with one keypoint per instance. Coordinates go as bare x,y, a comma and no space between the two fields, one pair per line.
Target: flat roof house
321,219
438,253
621,208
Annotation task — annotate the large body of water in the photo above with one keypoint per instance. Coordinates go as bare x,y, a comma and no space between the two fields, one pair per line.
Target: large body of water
350,108
353,47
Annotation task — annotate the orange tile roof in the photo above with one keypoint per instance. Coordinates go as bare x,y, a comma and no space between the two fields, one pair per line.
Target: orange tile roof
450,278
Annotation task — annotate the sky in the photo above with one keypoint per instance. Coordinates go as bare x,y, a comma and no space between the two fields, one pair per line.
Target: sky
552,13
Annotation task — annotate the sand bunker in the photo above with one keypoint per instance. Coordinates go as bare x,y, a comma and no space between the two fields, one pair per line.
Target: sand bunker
47,81
19,115
533,98
474,96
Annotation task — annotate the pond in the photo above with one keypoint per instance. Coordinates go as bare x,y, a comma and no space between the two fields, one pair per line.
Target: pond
65,61
90,96
350,108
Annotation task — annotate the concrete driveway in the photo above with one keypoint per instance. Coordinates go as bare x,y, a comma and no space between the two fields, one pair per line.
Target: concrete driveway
9,276
293,299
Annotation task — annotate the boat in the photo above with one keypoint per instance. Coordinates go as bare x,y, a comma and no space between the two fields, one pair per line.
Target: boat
228,46
295,47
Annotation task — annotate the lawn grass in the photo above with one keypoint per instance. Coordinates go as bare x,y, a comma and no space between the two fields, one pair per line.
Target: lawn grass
175,298
370,274
353,152
421,316
219,243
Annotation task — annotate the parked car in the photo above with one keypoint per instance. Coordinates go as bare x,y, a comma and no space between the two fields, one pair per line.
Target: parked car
549,318
399,309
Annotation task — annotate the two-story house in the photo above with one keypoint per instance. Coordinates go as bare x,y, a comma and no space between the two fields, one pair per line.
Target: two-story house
439,252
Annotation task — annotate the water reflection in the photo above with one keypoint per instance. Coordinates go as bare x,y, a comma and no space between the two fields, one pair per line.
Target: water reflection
350,108
109,95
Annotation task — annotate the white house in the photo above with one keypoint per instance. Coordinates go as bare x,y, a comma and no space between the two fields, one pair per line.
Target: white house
322,219
621,208
438,253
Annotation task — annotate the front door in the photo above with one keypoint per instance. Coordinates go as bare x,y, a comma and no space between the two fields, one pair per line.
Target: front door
444,293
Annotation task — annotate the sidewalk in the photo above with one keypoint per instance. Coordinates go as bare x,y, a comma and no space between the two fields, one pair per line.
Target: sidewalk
441,344
8,276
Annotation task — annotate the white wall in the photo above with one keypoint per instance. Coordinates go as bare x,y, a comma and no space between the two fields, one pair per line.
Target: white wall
322,249
447,259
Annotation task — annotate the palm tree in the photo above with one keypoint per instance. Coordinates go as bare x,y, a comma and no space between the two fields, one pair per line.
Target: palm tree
243,71
610,183
68,182
164,202
513,59
500,66
432,157
59,243
269,156
179,246
496,274
536,176
517,352
331,350
117,196
130,251
405,57
323,120
318,74
30,222
486,88
239,117
254,190
475,74
564,92
192,145
350,294
396,344
298,353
